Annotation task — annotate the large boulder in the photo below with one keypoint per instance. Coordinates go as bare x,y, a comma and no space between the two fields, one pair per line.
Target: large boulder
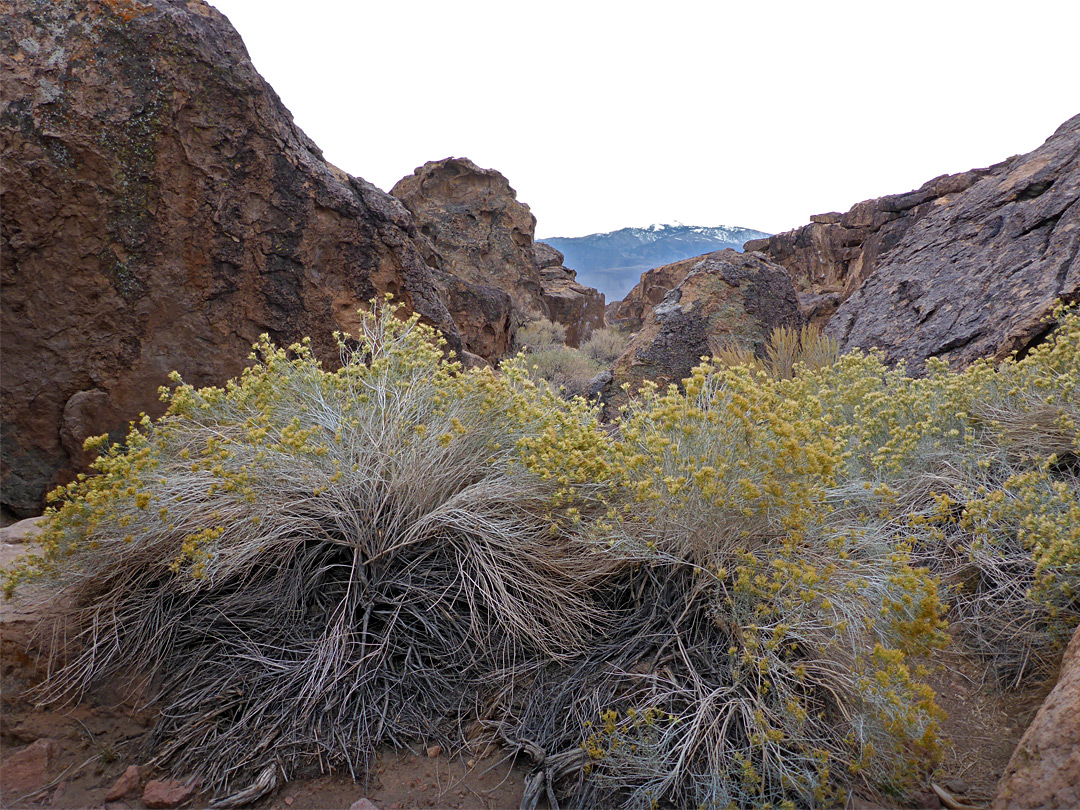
1044,771
477,227
476,230
630,313
977,276
727,299
160,211
579,308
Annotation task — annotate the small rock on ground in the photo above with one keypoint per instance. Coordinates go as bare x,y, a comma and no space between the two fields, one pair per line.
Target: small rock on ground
126,785
29,768
167,794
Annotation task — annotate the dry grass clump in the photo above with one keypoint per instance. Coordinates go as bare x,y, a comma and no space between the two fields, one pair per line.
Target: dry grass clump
714,608
540,335
786,352
565,369
605,346
311,564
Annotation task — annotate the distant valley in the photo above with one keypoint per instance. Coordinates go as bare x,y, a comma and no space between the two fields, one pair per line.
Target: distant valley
613,262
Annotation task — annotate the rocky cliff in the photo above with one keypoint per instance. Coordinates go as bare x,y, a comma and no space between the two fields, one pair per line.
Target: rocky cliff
977,276
830,257
160,211
965,267
579,308
477,227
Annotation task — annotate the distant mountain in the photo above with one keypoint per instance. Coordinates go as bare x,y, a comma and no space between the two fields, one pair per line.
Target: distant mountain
613,262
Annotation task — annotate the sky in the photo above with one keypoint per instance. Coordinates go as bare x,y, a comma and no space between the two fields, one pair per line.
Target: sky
605,115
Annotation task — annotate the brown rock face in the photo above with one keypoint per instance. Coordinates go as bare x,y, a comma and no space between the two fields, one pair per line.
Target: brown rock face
976,276
829,258
964,267
1044,771
477,227
579,308
727,298
160,211
480,234
484,315
654,285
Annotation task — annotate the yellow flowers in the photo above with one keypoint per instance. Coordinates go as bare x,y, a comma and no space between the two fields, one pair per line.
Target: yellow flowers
805,511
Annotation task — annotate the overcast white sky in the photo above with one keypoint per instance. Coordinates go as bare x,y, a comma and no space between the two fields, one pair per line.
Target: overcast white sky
609,114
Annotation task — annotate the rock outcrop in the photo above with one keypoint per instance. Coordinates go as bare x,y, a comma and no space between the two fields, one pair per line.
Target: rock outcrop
965,267
629,314
477,227
1044,771
477,231
160,211
830,257
726,299
977,276
579,308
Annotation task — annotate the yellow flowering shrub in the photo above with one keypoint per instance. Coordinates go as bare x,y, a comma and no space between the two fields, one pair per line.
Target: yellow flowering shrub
978,471
789,684
712,603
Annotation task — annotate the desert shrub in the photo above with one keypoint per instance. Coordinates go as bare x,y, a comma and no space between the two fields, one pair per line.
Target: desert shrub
978,469
565,369
604,346
551,362
715,606
781,677
312,564
539,335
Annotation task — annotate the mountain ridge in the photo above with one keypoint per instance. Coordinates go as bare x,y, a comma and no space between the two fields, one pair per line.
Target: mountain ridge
613,261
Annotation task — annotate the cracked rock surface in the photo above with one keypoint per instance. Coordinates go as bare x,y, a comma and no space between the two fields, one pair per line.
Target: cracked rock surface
976,276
